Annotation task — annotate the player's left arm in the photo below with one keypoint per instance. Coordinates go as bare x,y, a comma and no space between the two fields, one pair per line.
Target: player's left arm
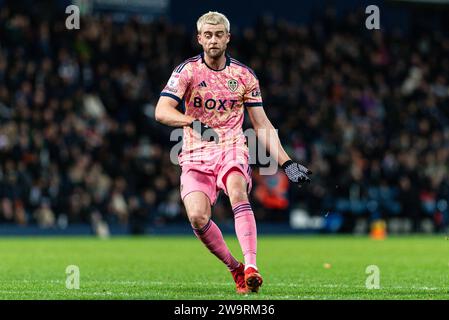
268,136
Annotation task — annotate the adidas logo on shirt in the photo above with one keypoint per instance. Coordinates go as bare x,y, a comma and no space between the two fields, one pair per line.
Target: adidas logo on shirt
202,84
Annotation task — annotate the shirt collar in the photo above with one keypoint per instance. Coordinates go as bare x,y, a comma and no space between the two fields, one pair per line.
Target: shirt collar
228,61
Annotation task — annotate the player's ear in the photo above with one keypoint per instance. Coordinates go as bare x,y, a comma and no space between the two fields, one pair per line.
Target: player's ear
198,37
228,38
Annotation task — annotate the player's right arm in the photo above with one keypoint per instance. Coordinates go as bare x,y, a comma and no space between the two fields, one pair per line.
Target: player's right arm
166,113
171,96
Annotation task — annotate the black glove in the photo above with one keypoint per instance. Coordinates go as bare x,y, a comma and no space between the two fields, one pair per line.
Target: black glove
206,132
296,173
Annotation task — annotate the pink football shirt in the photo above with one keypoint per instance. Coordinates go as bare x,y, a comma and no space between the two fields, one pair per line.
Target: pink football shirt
215,97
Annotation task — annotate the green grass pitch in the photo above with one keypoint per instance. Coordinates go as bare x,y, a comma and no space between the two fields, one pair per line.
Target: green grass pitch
179,267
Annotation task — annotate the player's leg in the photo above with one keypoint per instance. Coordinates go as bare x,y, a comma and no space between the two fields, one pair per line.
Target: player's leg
198,191
198,209
236,183
245,224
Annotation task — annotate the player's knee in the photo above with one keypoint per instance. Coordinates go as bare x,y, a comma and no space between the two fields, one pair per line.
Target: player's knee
237,195
198,218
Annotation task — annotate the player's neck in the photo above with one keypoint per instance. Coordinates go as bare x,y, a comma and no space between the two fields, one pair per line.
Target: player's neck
215,63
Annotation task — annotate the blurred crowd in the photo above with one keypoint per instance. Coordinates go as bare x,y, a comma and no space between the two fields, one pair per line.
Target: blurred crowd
366,111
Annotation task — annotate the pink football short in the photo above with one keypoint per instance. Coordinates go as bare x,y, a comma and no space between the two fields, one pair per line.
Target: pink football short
207,175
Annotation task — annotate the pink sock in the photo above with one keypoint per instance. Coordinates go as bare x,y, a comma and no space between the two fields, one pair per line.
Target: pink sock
212,237
245,228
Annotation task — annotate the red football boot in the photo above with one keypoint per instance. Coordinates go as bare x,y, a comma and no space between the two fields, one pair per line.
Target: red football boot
253,279
239,279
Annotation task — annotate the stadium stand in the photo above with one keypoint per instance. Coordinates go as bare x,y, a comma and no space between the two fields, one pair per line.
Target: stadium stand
367,111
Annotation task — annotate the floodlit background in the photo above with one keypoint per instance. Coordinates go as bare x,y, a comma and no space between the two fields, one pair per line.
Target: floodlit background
366,110
82,159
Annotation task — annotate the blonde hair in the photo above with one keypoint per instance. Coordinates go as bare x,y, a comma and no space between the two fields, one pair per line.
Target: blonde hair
213,17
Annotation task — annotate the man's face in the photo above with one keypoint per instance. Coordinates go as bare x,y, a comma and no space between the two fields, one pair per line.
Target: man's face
213,39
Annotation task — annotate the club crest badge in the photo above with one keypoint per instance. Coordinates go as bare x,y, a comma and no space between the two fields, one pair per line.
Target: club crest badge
232,85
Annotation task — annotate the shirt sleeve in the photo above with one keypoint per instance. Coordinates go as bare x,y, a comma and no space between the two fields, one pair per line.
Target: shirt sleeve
253,96
177,84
